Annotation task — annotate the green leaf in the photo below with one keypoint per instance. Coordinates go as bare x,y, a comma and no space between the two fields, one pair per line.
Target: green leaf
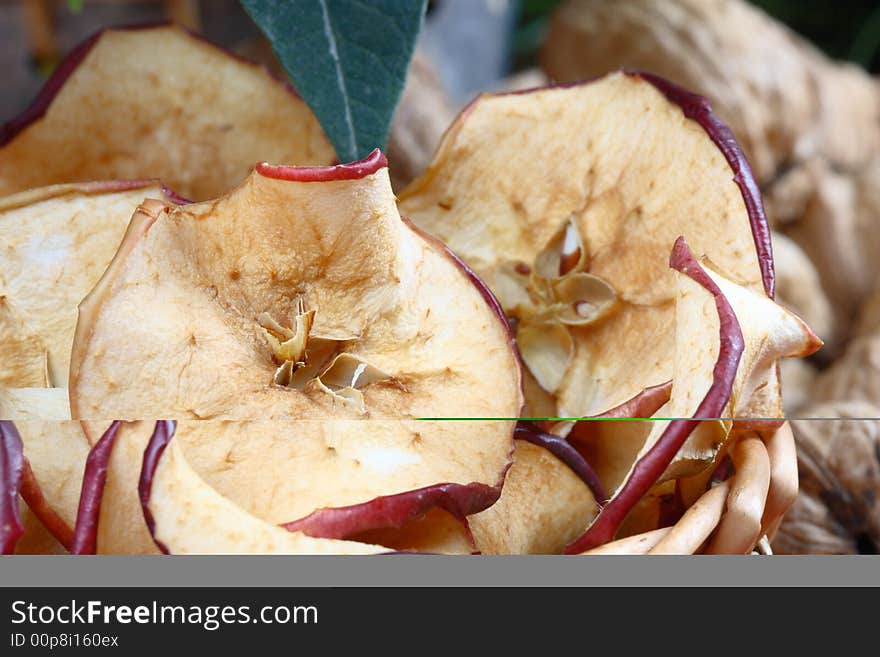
75,5
348,60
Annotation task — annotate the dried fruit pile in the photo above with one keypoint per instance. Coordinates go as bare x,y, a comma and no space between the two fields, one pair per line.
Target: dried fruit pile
810,127
286,358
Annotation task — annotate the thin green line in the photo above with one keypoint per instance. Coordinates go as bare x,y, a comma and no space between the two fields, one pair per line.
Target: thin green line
646,419
550,419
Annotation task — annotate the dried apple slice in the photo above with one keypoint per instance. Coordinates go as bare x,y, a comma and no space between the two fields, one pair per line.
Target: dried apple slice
166,104
333,479
186,516
544,505
55,243
54,453
47,404
713,379
303,296
628,163
553,489
428,339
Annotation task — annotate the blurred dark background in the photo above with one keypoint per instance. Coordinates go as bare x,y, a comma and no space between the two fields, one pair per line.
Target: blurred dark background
473,43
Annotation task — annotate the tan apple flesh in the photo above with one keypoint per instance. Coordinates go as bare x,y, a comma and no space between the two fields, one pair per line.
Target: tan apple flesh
167,105
593,231
55,243
709,382
55,454
311,340
187,516
395,328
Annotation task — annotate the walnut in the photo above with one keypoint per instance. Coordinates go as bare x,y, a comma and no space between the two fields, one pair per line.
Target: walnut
809,126
424,113
529,78
868,322
797,378
837,232
837,510
786,197
855,376
783,99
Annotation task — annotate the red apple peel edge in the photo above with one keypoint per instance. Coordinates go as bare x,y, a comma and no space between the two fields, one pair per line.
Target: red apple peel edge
85,534
32,494
391,511
350,171
460,500
11,467
565,452
643,404
162,435
698,108
652,465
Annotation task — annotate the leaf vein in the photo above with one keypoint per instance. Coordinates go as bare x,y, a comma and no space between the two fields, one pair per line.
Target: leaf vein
340,77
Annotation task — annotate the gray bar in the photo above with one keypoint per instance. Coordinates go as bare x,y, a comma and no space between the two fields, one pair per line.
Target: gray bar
424,570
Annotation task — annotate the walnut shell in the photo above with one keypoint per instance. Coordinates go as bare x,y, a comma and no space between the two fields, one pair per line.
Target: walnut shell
424,113
783,99
837,510
855,376
868,322
838,232
797,377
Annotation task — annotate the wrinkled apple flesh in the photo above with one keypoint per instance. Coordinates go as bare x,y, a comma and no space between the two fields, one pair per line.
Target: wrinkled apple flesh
55,243
164,104
186,516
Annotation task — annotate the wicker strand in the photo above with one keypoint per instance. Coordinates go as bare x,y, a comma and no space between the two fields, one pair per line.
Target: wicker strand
783,477
737,516
636,544
696,525
740,526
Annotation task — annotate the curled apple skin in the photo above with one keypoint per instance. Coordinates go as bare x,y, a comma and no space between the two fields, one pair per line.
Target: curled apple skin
651,466
395,510
162,436
11,468
33,496
565,452
349,171
85,534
